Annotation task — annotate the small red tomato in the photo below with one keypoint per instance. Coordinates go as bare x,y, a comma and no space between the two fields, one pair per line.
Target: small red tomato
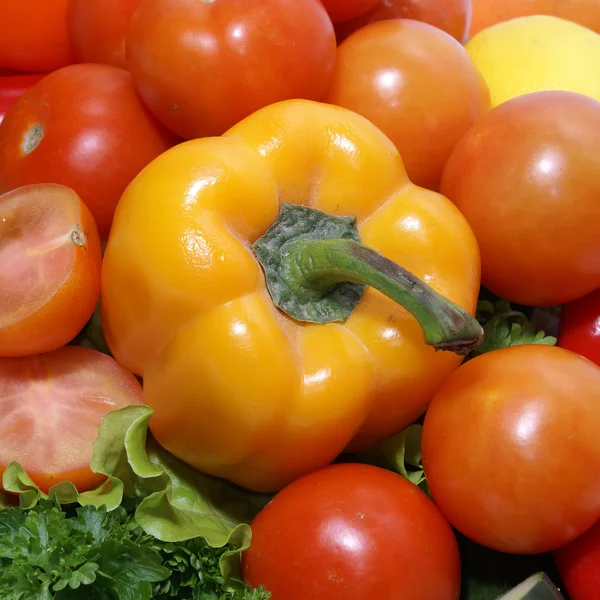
82,126
510,448
342,532
580,326
526,178
579,565
203,66
51,408
98,29
12,87
342,10
417,84
51,257
452,16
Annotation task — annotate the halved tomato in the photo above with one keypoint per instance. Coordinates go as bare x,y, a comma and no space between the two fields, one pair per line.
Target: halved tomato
51,408
50,277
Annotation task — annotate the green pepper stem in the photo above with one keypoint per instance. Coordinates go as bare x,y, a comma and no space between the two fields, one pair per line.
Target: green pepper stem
316,266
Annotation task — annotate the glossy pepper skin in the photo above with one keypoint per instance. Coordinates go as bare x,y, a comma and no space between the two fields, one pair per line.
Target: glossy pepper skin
580,326
239,389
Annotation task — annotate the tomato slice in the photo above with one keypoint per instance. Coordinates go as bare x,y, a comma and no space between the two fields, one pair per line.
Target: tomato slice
51,259
51,407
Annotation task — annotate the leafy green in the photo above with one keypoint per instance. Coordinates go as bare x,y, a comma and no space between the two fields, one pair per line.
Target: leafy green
174,501
504,327
46,554
400,453
171,501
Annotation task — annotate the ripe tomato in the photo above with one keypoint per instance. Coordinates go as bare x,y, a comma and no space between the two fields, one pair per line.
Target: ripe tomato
342,532
12,87
203,66
417,84
452,16
342,10
82,126
510,448
97,30
33,35
580,326
50,249
51,407
489,12
579,565
526,178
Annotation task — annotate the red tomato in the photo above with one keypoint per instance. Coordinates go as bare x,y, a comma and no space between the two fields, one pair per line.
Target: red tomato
510,448
526,178
352,531
51,407
489,12
97,30
51,275
579,565
417,84
342,10
203,66
33,35
580,326
12,87
82,126
452,16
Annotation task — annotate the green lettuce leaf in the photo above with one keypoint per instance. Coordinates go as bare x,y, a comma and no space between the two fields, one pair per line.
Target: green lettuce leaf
173,502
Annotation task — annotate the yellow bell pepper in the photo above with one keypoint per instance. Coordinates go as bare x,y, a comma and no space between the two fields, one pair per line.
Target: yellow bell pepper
234,284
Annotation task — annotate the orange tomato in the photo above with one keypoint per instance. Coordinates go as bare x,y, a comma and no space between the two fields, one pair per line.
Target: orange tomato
526,178
510,448
490,12
452,16
51,407
50,252
33,35
97,30
417,84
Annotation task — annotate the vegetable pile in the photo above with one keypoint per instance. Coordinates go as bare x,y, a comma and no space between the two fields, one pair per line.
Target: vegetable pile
299,299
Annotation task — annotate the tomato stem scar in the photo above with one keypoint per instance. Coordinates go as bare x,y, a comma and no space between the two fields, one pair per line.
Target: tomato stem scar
78,236
33,136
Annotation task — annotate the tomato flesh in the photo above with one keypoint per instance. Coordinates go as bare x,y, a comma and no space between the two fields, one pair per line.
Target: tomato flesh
51,407
50,280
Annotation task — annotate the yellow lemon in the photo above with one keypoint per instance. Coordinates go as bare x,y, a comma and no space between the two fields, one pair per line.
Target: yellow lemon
536,53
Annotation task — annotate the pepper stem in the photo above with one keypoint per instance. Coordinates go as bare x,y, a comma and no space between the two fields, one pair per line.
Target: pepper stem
317,270
313,266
